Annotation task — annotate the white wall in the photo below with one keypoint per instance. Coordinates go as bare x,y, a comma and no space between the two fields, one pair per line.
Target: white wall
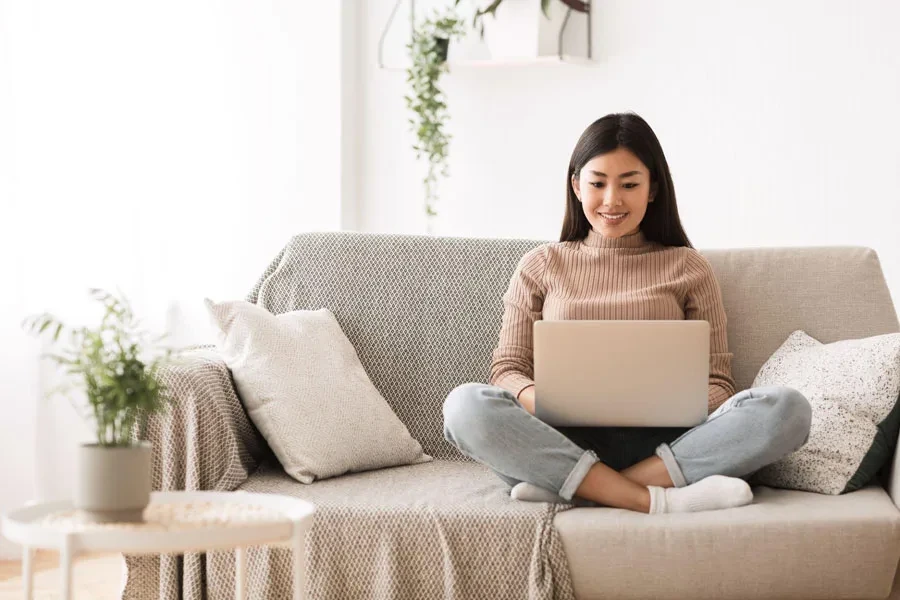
170,148
17,425
780,122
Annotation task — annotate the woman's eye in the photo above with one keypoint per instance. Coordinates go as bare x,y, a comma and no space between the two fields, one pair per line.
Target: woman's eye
600,184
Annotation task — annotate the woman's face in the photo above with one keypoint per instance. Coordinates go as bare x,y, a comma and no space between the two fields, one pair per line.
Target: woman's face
615,183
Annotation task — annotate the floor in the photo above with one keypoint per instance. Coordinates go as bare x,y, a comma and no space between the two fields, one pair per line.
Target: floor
96,577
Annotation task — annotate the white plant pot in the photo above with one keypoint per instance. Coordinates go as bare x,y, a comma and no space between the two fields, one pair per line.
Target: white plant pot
112,484
519,29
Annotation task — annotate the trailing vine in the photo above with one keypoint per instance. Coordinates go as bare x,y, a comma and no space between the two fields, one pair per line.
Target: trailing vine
428,51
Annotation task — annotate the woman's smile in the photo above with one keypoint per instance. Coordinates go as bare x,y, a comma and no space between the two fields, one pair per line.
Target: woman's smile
614,218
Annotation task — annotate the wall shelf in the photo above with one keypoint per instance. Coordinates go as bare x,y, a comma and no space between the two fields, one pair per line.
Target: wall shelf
560,57
509,62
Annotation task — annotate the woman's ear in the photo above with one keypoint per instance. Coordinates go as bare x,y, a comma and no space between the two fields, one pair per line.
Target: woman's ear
576,185
653,190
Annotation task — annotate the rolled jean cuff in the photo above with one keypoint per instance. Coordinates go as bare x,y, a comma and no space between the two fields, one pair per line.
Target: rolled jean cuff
576,476
665,453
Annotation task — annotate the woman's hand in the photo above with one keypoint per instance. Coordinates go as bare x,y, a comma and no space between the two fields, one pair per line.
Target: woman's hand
526,399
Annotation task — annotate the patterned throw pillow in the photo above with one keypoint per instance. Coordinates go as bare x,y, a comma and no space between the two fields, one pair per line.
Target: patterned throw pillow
853,387
304,388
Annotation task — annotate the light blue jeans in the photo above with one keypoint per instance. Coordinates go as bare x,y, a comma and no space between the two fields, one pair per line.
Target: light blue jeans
750,430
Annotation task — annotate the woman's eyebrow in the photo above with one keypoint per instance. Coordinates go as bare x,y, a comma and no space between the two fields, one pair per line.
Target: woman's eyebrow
627,174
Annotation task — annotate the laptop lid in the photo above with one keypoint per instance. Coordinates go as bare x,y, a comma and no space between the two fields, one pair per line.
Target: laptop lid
639,373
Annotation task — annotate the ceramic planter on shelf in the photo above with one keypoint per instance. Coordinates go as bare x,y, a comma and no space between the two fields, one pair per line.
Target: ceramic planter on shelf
113,482
443,47
520,30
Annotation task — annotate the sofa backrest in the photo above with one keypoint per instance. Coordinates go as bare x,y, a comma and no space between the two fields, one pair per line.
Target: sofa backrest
424,312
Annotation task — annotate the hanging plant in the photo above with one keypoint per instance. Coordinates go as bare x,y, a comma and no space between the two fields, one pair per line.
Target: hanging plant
428,50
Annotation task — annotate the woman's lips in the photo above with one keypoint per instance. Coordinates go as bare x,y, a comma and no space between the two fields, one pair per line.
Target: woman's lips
613,221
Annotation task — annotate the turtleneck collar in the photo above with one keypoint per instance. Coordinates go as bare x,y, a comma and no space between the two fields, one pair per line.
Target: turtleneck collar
595,239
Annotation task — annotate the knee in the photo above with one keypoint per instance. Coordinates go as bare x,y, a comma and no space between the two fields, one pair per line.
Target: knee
461,408
790,416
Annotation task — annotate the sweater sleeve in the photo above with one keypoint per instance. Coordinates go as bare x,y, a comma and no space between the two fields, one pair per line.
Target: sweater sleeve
703,301
512,364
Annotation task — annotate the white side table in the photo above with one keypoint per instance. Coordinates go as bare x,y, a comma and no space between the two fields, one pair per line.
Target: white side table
174,522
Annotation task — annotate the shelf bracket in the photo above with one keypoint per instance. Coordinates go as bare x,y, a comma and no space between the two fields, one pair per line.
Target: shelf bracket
387,27
584,7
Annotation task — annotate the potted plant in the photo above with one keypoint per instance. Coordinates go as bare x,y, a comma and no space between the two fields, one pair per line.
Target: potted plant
117,367
428,50
516,30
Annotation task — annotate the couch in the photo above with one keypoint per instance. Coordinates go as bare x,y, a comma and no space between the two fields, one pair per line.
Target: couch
424,315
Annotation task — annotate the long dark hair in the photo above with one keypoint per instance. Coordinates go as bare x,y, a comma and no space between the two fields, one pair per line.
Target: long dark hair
626,130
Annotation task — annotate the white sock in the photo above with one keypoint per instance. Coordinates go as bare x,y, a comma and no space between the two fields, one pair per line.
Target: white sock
712,493
529,492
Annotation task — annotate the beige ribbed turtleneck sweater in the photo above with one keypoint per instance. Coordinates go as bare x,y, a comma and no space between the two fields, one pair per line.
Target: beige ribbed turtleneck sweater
599,277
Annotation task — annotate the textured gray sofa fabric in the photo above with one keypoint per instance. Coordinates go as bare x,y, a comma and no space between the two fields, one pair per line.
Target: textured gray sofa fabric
444,529
203,442
423,314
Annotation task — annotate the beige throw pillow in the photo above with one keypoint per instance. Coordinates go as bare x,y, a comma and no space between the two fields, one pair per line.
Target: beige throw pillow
304,388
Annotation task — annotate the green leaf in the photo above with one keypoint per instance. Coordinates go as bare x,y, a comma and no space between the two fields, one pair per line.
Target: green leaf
106,363
492,8
47,323
545,8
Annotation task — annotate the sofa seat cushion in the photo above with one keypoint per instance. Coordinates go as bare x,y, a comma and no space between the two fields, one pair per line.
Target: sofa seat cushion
436,530
786,544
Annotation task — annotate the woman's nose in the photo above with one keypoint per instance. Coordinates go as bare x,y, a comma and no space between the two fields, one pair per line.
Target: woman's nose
610,198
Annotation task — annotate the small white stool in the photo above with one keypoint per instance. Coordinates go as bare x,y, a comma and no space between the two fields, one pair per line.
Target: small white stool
174,522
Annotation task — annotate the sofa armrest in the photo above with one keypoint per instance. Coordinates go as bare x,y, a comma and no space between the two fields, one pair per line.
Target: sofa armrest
891,477
204,440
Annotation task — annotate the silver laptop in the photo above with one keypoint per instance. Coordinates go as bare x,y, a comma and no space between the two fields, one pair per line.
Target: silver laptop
621,373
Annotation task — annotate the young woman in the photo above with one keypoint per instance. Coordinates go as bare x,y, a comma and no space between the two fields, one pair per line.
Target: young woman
622,254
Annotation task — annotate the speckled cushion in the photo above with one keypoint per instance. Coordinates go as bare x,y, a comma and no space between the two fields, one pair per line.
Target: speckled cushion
853,387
